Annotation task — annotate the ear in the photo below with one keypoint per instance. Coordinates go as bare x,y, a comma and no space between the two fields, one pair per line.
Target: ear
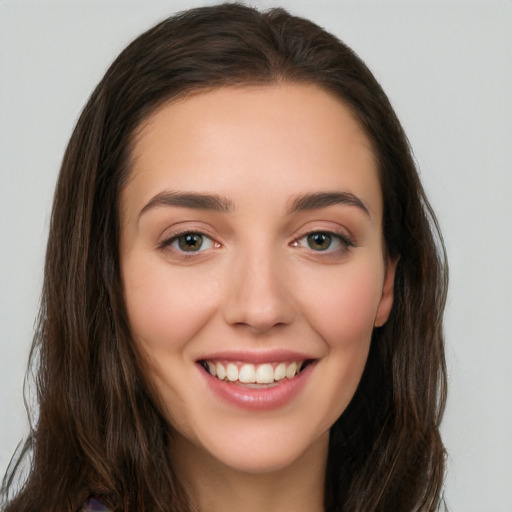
386,299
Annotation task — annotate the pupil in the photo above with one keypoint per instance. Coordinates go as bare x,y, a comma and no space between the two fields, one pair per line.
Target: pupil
190,242
319,241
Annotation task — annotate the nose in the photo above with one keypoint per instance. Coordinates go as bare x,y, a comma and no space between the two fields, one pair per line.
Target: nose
259,295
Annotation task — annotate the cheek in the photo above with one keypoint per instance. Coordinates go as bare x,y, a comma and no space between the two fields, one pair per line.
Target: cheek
342,307
165,308
342,312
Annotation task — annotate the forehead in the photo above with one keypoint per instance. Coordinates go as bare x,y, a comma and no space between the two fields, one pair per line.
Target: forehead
291,137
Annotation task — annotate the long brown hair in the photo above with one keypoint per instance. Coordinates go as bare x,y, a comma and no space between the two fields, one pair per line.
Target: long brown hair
99,429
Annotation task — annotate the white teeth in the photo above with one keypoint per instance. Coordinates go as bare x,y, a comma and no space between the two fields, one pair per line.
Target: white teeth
232,372
212,368
291,370
221,371
280,371
248,373
264,374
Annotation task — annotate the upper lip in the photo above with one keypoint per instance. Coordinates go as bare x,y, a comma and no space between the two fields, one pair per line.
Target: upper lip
257,356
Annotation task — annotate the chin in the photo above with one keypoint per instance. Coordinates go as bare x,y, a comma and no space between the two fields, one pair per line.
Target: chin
263,450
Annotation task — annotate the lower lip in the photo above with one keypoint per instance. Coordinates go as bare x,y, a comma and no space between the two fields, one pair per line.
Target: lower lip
262,399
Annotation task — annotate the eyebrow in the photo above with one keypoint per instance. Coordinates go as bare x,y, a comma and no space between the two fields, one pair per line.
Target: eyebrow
325,199
193,200
218,203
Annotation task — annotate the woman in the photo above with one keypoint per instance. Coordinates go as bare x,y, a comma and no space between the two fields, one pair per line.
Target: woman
243,293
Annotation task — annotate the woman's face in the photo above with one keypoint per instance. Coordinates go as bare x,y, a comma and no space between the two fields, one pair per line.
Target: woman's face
253,269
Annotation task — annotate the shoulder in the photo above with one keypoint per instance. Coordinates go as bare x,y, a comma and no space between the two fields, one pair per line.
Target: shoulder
96,504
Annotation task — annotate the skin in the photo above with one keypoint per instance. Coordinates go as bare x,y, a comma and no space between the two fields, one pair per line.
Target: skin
256,284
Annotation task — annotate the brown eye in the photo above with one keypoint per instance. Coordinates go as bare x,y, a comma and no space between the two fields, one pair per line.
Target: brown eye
325,241
319,241
189,242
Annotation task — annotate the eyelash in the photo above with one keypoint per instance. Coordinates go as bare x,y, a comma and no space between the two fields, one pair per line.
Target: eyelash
175,238
344,242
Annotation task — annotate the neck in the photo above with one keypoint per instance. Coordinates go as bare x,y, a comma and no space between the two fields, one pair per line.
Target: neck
215,487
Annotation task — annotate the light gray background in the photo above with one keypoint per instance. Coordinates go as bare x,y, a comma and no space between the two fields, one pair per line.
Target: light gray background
447,67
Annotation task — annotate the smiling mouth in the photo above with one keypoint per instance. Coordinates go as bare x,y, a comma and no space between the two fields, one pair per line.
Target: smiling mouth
249,374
